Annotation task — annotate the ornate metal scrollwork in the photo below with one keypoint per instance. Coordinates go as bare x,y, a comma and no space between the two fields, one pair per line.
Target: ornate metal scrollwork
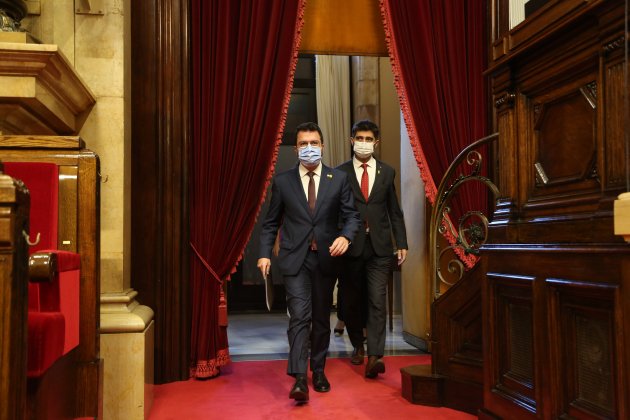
472,227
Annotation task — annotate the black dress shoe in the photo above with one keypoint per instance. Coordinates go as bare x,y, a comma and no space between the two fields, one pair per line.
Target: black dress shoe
320,383
339,327
299,392
358,355
374,366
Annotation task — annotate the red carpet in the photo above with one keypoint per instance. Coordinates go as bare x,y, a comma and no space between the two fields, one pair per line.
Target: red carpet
259,390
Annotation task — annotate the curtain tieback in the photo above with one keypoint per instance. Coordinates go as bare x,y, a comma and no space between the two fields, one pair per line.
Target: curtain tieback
205,264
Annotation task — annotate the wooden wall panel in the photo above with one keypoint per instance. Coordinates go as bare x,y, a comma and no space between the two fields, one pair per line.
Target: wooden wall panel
574,297
456,341
556,288
584,360
613,153
509,368
14,210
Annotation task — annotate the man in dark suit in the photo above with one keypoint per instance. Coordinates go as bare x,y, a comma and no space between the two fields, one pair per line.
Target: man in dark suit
313,207
368,264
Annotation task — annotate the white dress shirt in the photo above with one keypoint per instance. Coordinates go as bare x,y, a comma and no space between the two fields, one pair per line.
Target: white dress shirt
305,178
371,169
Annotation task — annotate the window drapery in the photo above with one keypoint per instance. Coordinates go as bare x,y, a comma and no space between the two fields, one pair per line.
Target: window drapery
333,106
244,54
437,50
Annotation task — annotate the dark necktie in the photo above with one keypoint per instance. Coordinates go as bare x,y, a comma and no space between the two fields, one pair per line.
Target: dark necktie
311,204
311,192
365,182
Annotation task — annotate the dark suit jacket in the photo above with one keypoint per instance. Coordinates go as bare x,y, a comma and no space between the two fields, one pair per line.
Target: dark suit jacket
289,208
381,211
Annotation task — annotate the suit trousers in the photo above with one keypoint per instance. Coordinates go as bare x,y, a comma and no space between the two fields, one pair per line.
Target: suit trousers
309,298
362,276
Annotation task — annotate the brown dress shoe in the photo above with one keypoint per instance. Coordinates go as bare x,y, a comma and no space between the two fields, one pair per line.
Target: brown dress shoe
358,354
374,366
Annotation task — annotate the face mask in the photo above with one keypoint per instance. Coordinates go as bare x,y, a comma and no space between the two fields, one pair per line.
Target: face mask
310,155
363,149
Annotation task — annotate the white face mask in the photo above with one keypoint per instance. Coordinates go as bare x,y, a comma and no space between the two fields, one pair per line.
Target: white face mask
363,149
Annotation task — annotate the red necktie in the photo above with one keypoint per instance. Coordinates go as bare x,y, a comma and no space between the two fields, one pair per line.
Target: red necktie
365,182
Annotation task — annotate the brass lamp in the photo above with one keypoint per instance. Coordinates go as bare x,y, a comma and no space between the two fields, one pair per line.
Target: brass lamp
622,216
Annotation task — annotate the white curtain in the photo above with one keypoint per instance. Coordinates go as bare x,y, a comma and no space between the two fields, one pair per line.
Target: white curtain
333,106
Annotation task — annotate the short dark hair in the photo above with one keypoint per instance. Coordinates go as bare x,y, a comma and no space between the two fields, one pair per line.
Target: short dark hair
366,125
309,126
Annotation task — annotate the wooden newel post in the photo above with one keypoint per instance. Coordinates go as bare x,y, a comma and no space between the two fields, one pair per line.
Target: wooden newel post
14,208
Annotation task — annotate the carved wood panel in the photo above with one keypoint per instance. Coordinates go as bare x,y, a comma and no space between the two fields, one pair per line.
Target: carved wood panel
564,144
510,375
554,230
457,330
565,137
584,362
14,209
614,124
554,337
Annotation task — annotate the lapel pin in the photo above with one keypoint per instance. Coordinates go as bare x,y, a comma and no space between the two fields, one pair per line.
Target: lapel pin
329,176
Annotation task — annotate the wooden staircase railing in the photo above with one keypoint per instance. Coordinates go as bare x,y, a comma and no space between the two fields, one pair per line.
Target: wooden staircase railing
455,376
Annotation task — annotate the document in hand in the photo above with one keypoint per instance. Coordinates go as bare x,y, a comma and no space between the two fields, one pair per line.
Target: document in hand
269,291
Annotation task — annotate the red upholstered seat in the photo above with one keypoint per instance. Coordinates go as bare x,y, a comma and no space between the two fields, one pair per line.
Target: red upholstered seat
53,314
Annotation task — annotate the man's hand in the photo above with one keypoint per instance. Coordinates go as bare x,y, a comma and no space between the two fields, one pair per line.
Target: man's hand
264,264
339,246
402,256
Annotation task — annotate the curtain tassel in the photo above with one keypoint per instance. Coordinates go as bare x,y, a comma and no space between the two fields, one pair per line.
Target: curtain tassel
223,317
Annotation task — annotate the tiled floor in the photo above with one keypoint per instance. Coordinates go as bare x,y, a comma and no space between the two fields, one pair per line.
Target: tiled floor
263,336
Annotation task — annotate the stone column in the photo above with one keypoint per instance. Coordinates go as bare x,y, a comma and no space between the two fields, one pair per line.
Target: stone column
96,41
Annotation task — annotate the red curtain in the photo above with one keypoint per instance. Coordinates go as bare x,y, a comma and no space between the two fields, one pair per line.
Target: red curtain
244,54
437,50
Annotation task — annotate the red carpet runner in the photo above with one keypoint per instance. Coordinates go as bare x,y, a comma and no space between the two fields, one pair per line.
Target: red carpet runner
259,390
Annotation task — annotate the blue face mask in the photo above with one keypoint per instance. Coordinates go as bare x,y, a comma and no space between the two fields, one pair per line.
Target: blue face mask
310,155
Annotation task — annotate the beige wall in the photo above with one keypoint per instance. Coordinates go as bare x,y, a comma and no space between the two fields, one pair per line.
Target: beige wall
390,119
414,273
94,45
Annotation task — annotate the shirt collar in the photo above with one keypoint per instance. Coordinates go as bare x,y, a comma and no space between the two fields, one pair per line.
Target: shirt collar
304,171
357,163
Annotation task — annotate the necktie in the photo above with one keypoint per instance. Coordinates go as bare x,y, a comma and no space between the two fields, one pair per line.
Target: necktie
365,182
311,204
311,191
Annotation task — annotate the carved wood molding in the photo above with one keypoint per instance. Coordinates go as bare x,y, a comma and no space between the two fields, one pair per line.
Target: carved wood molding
613,45
42,93
505,100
